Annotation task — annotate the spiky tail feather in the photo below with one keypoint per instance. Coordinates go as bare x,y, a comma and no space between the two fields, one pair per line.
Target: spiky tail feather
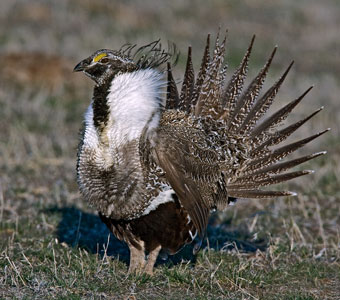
241,111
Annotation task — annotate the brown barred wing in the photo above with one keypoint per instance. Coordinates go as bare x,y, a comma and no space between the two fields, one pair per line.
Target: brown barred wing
192,171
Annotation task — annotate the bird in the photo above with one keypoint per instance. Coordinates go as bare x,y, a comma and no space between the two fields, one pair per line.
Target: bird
155,160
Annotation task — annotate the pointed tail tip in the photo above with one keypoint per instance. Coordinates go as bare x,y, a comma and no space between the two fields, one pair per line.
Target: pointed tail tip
316,154
307,91
324,131
290,66
292,194
251,43
273,53
189,50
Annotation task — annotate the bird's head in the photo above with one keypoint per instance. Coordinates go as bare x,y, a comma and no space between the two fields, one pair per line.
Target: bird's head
105,64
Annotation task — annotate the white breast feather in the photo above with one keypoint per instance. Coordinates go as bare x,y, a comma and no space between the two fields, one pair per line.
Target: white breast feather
91,139
133,98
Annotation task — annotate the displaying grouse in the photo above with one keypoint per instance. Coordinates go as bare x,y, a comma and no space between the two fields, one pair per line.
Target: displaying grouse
155,162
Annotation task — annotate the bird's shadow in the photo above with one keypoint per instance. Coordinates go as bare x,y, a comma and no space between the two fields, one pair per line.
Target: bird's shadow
85,230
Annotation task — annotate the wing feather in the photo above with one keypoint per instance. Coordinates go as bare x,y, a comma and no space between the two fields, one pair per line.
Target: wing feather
184,187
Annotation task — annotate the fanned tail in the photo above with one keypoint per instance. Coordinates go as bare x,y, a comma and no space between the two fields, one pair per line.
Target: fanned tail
235,86
246,101
259,194
262,105
209,99
172,92
260,131
201,74
188,85
281,135
280,153
236,118
276,168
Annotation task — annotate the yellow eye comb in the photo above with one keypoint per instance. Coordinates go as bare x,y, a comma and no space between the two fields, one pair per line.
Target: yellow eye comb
99,56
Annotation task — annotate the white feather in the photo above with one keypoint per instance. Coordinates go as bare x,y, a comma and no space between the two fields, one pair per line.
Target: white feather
91,139
193,236
163,197
133,99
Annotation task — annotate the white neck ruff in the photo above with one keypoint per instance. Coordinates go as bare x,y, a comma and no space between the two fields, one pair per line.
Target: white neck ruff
133,98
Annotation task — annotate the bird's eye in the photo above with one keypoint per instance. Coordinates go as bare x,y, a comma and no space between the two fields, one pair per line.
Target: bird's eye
104,60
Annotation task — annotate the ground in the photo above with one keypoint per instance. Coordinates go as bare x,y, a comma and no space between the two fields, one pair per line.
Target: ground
54,246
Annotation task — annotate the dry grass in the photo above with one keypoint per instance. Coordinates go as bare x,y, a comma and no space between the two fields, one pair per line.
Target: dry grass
53,246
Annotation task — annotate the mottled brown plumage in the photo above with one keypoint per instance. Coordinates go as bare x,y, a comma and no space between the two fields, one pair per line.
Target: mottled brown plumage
155,168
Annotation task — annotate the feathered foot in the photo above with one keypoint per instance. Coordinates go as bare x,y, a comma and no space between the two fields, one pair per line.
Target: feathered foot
137,259
151,260
138,264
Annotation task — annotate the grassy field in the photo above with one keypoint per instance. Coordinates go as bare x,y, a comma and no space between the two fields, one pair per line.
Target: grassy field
54,246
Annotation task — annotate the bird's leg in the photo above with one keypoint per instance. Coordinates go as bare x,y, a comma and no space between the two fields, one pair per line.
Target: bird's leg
151,260
137,259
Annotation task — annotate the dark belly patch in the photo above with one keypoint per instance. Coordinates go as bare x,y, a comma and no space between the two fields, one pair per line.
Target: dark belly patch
168,226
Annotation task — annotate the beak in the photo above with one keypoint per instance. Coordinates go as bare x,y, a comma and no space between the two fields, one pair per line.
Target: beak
80,67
